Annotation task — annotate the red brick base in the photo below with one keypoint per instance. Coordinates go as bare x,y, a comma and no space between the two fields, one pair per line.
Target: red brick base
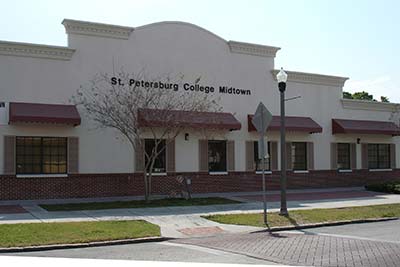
125,184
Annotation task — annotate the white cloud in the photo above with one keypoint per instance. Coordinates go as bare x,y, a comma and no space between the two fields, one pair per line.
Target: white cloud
379,86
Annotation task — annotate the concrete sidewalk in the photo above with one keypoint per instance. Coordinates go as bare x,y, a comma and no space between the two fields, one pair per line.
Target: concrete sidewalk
180,222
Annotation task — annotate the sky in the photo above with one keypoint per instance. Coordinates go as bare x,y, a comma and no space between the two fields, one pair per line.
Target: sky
351,38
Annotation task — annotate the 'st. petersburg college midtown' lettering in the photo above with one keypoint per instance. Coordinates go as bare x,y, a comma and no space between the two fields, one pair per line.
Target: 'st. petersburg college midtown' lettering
186,86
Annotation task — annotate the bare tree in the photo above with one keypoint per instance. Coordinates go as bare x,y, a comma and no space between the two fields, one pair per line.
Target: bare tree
395,115
125,100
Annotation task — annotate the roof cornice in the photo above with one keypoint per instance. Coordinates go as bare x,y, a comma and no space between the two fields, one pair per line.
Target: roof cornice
96,29
123,32
312,78
35,50
369,105
252,49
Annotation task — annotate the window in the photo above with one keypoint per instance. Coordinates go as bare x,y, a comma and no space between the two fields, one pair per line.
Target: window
3,114
160,161
41,155
299,156
258,162
217,156
378,156
343,156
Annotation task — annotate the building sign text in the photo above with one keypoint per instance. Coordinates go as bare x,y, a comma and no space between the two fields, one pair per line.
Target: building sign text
186,86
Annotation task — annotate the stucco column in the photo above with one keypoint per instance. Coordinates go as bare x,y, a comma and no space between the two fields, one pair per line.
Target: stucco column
358,156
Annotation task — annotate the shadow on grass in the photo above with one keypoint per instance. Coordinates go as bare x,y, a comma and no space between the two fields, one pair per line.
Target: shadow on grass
294,222
291,220
276,234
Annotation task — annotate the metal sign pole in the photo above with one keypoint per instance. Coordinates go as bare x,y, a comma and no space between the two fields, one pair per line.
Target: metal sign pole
261,120
261,156
264,192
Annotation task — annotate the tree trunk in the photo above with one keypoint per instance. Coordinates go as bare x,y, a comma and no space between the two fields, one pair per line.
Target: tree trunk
146,189
150,175
149,187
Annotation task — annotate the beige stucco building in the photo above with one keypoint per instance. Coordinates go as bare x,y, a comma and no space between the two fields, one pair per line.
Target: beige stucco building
54,151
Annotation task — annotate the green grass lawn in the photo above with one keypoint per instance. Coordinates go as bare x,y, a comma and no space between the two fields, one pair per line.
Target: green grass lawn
297,217
138,204
31,234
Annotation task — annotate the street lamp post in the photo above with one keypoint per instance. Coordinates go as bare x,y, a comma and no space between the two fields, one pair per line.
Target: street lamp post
282,78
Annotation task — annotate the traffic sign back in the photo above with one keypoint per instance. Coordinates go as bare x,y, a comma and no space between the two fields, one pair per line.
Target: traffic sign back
262,118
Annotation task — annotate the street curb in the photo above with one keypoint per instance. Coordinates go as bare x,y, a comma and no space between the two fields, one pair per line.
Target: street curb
85,245
315,225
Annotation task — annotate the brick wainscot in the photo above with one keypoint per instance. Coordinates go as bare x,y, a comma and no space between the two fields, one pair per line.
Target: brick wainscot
128,184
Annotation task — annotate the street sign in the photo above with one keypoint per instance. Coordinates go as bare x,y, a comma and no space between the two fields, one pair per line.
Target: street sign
261,119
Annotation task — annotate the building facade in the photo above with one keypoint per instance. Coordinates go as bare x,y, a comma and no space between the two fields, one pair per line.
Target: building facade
51,149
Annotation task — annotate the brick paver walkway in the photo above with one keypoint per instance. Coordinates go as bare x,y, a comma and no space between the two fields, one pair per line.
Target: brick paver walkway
201,231
12,209
307,249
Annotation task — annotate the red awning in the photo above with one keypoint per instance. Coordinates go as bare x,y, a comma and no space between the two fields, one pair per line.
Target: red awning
44,113
364,127
190,119
294,124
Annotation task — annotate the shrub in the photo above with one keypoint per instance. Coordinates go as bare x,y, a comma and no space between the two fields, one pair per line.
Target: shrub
390,187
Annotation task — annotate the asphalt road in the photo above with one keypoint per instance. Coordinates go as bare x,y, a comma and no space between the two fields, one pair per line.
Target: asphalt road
153,251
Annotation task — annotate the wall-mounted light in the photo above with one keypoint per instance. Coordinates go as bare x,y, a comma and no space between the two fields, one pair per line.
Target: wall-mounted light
358,140
186,136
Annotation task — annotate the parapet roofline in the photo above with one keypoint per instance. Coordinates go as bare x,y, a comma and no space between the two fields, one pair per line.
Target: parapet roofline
369,105
117,32
96,29
313,78
124,32
253,49
35,50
